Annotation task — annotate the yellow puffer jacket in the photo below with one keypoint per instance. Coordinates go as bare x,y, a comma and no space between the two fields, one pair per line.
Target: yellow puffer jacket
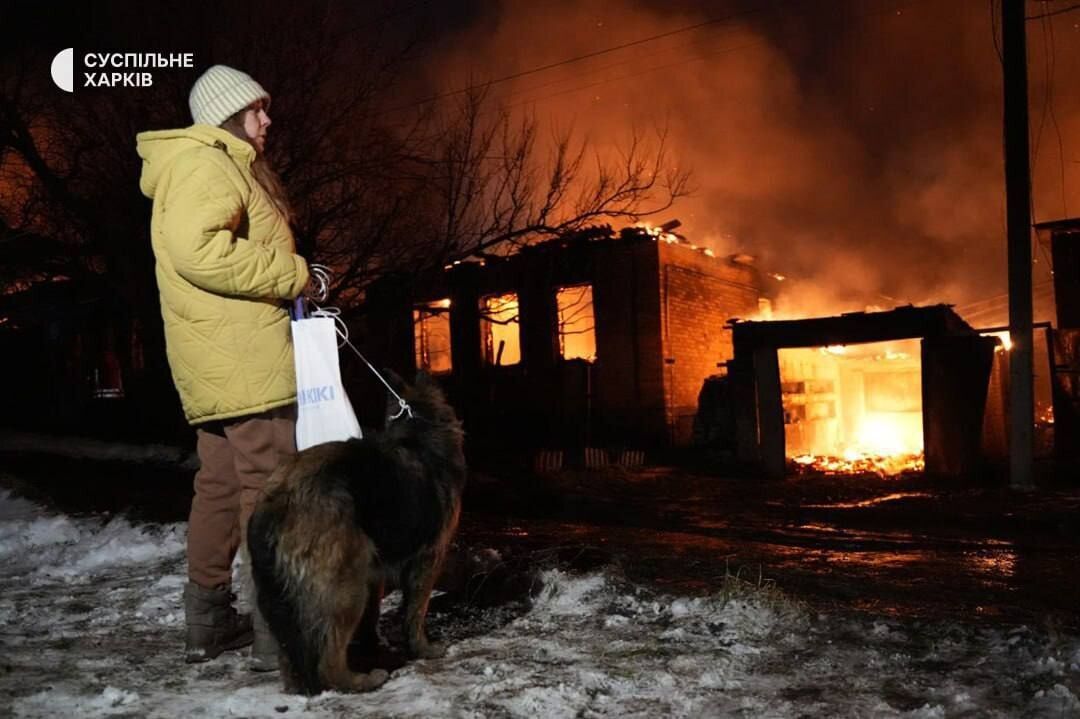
226,267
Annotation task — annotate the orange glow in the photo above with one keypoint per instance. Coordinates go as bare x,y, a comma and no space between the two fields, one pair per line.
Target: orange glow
853,408
1004,336
500,329
764,308
1044,413
577,334
880,465
431,336
658,234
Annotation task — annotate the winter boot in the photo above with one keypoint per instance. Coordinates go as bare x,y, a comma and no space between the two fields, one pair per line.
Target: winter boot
264,650
213,625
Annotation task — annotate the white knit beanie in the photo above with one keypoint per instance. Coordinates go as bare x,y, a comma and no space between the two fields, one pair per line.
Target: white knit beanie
221,92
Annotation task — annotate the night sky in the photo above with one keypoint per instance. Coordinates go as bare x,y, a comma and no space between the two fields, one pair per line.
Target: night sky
851,144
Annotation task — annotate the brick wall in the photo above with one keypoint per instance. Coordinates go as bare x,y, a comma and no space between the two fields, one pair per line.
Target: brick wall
698,295
628,383
651,301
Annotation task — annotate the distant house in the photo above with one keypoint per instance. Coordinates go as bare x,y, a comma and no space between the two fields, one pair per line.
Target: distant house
590,341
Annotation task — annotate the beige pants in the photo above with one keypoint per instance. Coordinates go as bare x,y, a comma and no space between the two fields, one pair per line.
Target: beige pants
236,457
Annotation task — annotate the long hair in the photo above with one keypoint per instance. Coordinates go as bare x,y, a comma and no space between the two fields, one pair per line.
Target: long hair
260,168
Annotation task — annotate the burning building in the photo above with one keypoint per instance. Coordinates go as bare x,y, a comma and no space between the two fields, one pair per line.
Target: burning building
883,386
594,340
1065,344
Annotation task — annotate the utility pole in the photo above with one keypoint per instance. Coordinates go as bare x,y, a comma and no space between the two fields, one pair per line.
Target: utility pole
1018,230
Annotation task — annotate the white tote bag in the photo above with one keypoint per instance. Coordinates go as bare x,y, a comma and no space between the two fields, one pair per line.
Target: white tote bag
324,412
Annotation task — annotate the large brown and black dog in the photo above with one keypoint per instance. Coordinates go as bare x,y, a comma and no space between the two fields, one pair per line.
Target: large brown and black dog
342,517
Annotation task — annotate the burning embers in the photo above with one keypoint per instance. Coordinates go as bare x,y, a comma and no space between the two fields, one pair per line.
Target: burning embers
853,408
851,463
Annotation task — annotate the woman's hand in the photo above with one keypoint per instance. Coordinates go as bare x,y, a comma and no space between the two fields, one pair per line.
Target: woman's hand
318,285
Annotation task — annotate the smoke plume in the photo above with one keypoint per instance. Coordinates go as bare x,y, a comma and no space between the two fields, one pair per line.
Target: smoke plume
854,147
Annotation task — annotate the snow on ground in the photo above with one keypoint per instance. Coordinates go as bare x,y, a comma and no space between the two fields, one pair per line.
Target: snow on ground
91,626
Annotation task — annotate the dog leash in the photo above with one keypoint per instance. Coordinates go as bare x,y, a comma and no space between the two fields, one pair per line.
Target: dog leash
334,313
403,406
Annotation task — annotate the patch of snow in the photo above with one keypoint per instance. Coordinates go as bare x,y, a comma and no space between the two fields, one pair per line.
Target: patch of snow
46,547
108,702
91,625
118,543
1058,700
569,598
24,539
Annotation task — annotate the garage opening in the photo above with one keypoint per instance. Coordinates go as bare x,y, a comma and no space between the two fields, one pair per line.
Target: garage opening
853,407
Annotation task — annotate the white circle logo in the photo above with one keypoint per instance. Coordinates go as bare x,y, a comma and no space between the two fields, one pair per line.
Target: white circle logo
63,69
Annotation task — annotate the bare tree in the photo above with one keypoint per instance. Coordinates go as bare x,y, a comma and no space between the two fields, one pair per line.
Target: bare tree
69,197
493,186
374,190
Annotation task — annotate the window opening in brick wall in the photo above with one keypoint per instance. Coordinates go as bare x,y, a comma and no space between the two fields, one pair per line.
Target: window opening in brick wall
431,336
577,326
500,330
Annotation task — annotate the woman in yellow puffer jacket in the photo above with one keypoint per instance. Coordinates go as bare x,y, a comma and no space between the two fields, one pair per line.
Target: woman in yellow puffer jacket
227,268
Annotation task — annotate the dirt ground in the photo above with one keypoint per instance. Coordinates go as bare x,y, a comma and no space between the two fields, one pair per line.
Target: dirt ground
907,546
903,546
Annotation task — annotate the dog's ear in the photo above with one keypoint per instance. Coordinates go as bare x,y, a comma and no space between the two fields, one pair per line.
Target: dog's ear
423,379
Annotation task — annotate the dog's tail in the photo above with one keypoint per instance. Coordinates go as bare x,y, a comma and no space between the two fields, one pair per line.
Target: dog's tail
280,600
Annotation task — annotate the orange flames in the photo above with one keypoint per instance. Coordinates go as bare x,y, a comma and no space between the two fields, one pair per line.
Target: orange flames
1004,336
881,465
853,408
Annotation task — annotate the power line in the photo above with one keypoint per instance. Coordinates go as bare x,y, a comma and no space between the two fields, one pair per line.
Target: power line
1052,13
999,297
1048,83
664,66
1049,63
631,75
994,31
568,61
1048,111
1053,117
611,66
